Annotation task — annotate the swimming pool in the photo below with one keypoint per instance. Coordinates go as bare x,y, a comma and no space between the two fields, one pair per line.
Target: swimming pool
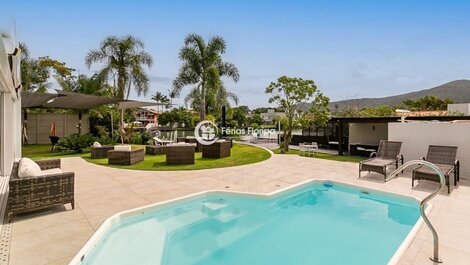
320,222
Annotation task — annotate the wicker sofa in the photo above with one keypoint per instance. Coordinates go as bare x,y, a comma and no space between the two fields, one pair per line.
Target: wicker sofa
116,157
35,193
155,149
101,151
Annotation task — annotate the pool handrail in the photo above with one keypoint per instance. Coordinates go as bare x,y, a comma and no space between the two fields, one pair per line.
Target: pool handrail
423,203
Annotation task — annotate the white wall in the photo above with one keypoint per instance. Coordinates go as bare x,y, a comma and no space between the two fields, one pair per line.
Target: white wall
417,136
460,108
367,133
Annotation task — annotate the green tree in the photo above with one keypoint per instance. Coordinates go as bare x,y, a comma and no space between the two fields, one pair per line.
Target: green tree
203,67
123,60
178,116
35,72
428,103
90,86
287,93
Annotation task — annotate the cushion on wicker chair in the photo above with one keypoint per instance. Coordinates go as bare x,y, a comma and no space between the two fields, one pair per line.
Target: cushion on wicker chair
96,144
51,171
28,168
122,147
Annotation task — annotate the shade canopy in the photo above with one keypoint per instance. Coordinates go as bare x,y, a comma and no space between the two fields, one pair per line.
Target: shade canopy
35,100
71,100
129,104
63,100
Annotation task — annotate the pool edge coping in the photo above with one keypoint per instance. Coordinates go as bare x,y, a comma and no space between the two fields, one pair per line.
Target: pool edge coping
91,243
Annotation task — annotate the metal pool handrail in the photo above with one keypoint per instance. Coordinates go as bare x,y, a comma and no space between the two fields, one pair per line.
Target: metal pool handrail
442,181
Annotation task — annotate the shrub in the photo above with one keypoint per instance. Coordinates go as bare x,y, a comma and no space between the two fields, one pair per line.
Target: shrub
76,142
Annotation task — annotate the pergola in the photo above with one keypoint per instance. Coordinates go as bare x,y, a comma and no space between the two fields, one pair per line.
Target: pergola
344,121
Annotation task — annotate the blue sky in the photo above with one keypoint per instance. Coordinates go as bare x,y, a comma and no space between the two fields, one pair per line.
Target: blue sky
349,48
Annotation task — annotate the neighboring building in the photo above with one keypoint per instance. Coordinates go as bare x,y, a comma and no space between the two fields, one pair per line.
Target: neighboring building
268,117
147,116
461,108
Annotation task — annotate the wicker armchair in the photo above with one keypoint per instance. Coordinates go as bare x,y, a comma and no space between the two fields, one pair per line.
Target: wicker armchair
100,152
35,193
444,157
116,157
387,154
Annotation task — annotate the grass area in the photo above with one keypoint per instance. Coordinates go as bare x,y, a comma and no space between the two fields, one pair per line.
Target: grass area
343,158
43,151
241,155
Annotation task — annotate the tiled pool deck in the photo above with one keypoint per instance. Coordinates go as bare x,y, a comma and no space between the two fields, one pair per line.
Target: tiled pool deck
54,237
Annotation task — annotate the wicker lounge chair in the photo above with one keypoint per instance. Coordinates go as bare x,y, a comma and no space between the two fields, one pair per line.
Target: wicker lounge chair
387,154
444,157
219,149
116,157
35,193
101,151
159,141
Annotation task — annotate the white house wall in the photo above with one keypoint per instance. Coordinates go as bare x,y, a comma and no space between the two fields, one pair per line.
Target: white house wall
367,133
417,136
10,117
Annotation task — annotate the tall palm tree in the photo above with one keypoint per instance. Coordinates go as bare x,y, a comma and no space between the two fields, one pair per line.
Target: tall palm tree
123,58
203,67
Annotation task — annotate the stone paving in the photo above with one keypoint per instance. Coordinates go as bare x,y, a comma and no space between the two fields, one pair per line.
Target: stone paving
54,236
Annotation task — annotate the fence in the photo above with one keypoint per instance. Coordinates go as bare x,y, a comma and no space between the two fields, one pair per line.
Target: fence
39,126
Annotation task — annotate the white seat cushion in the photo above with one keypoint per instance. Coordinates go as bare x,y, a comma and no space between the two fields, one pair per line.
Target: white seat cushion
122,147
28,168
96,144
51,171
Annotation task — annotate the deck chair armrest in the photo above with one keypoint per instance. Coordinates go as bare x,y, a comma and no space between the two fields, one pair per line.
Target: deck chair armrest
373,154
457,164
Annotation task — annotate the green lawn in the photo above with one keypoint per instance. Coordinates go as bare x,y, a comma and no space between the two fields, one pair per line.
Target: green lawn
344,158
43,151
241,155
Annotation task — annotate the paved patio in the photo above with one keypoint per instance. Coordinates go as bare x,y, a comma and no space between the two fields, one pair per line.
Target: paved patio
54,237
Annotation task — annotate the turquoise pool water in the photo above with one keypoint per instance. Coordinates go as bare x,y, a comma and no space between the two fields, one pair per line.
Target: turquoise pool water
323,223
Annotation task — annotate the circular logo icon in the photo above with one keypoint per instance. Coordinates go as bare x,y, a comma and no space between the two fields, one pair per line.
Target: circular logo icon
206,132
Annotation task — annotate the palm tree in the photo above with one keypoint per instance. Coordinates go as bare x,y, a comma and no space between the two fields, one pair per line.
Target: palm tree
84,85
123,59
161,98
203,67
215,99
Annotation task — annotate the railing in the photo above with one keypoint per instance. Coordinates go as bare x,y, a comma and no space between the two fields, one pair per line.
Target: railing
423,203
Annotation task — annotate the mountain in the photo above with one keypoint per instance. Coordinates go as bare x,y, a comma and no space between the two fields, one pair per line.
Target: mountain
458,90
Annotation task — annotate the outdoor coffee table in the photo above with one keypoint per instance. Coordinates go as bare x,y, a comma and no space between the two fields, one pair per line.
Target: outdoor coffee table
219,149
180,154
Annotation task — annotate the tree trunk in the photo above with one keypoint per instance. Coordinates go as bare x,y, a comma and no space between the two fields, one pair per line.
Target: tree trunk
202,107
